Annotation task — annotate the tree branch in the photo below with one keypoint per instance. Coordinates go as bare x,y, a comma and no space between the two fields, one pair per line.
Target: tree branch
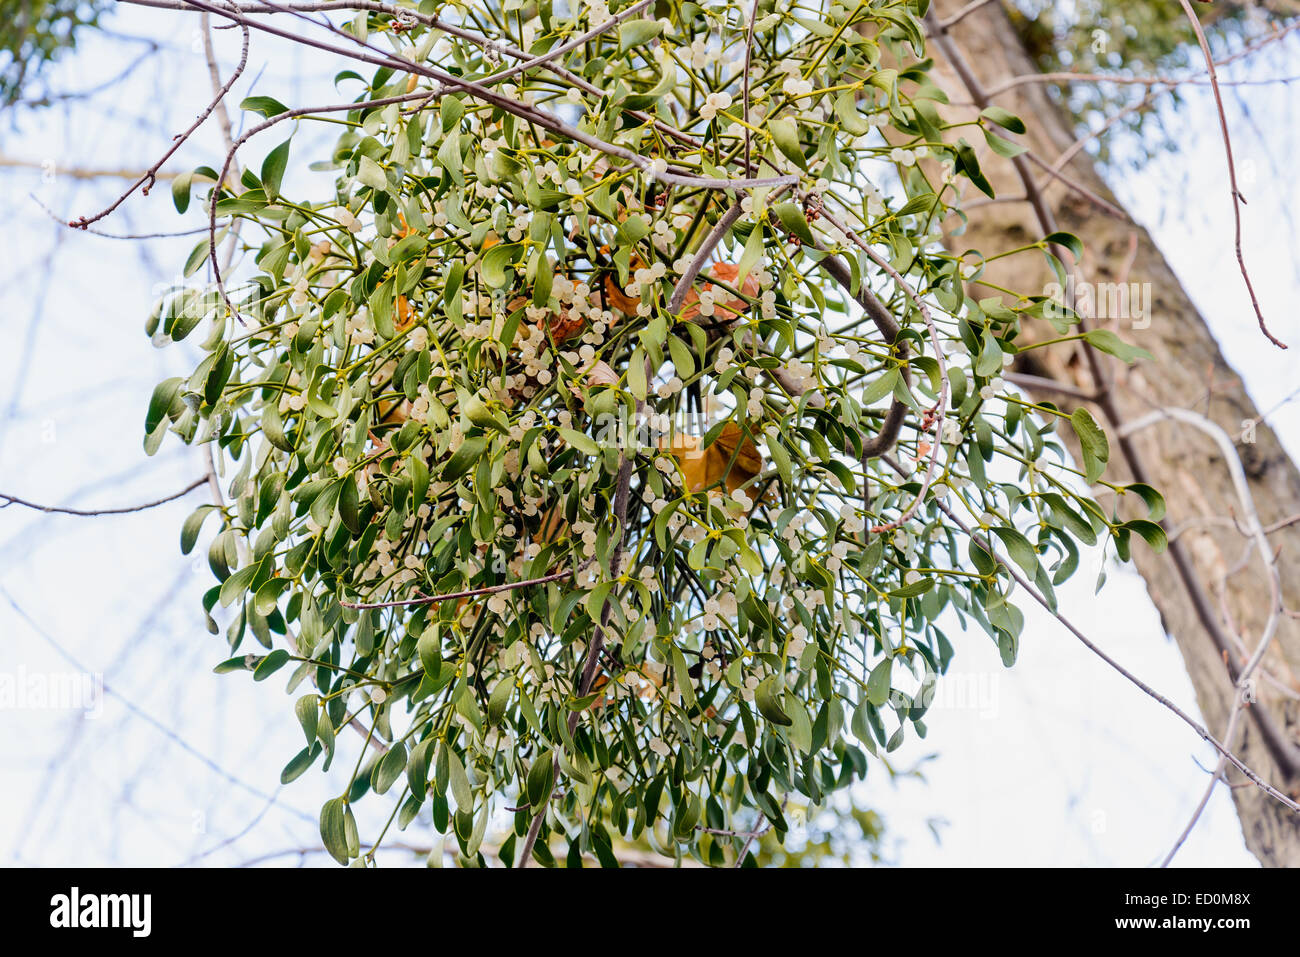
90,513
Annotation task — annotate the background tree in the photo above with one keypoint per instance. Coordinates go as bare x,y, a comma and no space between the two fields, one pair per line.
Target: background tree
716,284
1217,610
34,32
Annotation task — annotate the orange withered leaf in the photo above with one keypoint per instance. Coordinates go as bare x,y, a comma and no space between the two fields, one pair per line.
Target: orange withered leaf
733,458
728,308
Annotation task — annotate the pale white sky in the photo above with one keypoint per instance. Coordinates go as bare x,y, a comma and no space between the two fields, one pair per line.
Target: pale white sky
1055,762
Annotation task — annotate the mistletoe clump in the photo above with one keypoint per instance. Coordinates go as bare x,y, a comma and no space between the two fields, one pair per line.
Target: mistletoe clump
617,442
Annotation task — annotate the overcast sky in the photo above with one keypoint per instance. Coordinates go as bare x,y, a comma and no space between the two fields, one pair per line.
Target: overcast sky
1057,762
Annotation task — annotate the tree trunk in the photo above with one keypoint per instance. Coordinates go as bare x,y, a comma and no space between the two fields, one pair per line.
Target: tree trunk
1204,599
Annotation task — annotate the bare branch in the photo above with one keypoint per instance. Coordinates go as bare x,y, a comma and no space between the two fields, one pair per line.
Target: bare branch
1237,198
90,513
147,179
1151,692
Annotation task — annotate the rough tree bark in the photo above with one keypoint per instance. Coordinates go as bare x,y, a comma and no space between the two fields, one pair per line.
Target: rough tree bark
1189,371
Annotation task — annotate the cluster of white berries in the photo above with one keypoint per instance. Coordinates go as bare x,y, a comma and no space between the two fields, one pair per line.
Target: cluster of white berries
724,606
669,388
598,12
992,389
348,221
484,191
358,328
797,641
853,522
793,529
700,53
714,104
835,560
794,85
292,401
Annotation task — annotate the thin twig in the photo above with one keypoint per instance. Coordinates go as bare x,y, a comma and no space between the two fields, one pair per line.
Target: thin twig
469,593
1151,692
477,90
90,513
1256,529
1237,198
147,178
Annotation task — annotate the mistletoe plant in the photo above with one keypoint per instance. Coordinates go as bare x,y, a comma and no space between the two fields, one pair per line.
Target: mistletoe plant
616,444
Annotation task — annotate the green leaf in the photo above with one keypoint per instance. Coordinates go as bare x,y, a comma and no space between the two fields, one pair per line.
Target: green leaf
1155,502
164,394
1002,146
389,768
230,665
970,165
464,457
682,677
450,157
273,168
493,265
459,781
989,361
884,384
477,411
429,649
266,105
199,255
417,767
1068,240
181,191
235,586
539,783
1093,442
298,764
846,108
753,251
1003,118
350,504
793,219
579,440
268,595
499,699
307,710
636,33
878,682
800,732
765,696
1019,548
270,664
1109,342
333,829
370,173
193,524
322,508
1151,533
913,590
785,133
780,457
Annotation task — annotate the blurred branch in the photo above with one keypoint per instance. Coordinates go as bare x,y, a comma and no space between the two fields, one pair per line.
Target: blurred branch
48,167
